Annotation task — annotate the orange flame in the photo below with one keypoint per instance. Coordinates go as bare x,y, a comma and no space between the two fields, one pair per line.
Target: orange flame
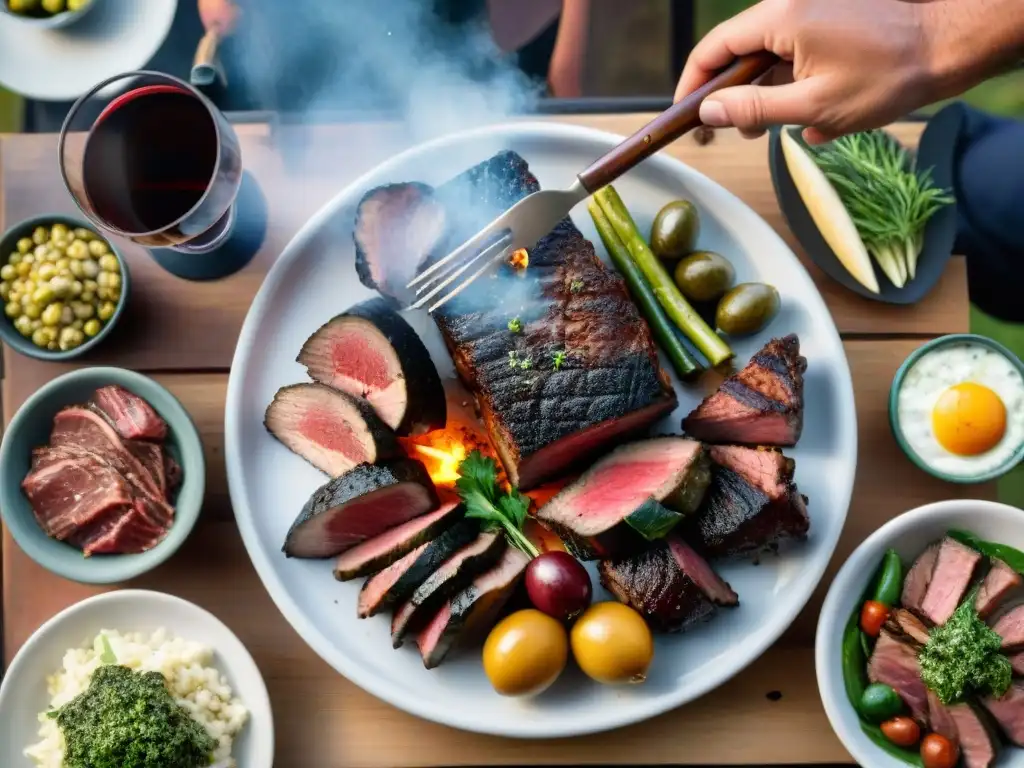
519,259
443,464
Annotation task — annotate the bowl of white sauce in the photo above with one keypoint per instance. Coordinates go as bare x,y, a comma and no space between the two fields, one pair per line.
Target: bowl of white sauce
956,407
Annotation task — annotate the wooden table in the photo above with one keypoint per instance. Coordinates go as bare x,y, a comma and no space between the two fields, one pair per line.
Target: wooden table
184,335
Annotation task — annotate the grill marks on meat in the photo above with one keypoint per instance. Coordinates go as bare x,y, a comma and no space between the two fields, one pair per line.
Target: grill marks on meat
752,505
101,483
763,404
954,569
894,663
669,584
541,421
998,583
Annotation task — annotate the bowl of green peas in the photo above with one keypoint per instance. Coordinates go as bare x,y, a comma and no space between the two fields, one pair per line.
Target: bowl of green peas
63,287
52,14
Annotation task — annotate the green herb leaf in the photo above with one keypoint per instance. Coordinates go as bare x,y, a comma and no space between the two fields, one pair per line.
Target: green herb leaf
653,521
1012,557
513,359
909,756
525,364
108,657
576,286
515,325
558,359
485,501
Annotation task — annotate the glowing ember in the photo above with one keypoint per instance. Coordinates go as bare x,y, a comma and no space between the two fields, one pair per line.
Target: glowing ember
444,462
519,259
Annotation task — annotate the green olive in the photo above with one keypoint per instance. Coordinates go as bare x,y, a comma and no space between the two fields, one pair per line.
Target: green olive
704,276
32,310
879,702
43,295
70,338
76,288
78,249
24,267
90,268
82,310
675,230
109,263
67,317
88,297
747,309
8,272
25,245
38,253
84,234
75,268
46,272
77,5
15,259
40,235
52,314
12,309
23,325
92,327
61,287
106,311
98,248
58,231
54,7
5,291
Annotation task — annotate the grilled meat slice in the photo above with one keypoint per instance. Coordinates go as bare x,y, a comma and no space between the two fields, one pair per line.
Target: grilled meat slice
762,404
939,718
894,663
954,568
464,617
915,585
907,627
381,551
669,584
979,744
130,415
1017,662
1008,712
999,582
1010,627
590,514
369,351
331,430
361,504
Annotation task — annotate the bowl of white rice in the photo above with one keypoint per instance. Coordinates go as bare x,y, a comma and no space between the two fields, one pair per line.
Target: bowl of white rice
207,670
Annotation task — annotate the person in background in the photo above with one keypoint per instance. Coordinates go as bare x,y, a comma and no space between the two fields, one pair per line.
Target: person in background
852,66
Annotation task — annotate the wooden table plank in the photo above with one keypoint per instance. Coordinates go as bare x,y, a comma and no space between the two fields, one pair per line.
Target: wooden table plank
302,168
342,725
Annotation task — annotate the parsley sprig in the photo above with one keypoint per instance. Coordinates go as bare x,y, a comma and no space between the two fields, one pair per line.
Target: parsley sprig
484,500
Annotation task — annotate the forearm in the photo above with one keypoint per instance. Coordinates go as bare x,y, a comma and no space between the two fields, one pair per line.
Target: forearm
972,40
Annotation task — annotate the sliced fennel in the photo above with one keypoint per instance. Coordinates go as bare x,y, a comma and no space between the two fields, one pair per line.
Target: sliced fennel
828,212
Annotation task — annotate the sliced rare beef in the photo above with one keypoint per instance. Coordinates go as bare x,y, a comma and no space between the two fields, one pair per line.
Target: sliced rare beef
369,351
1008,712
361,504
907,627
894,662
396,583
172,474
72,492
473,611
151,457
132,532
131,416
999,582
452,576
939,719
979,743
753,504
763,404
1010,627
331,430
544,419
669,584
954,569
397,228
590,514
381,551
915,585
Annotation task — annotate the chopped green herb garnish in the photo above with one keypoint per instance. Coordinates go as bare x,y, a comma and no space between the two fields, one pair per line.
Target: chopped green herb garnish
526,363
513,359
962,657
484,500
558,359
576,286
515,325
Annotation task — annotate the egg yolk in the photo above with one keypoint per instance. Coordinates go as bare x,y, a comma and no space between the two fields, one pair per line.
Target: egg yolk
969,419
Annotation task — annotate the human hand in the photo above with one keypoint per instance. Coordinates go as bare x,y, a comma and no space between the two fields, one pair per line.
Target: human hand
219,16
849,66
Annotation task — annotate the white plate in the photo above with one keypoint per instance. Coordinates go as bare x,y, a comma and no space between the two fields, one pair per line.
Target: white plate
312,281
23,693
61,64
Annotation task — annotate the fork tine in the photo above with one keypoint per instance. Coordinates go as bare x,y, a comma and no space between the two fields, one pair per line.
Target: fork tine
465,283
477,241
454,269
490,254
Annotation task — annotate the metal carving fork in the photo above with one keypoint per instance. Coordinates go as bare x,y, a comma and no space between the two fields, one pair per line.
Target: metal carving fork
533,217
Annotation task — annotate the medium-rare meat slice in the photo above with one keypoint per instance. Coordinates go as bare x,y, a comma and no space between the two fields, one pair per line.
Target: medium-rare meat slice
1017,662
979,744
131,416
452,576
151,457
132,532
381,551
331,430
471,612
894,663
1010,627
364,502
591,514
397,228
906,626
69,493
541,417
915,585
369,351
752,505
954,568
763,404
669,584
172,474
396,583
999,582
1008,712
939,719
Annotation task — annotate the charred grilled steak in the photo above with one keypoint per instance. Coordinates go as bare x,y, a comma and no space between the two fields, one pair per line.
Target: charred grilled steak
369,351
590,514
761,405
752,504
544,417
359,505
669,584
954,569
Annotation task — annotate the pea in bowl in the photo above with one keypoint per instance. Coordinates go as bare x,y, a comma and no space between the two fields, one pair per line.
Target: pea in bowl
63,287
49,14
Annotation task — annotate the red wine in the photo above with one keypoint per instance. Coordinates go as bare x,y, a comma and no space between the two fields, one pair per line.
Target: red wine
149,158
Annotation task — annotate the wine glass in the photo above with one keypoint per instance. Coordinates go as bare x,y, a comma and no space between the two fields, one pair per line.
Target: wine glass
148,157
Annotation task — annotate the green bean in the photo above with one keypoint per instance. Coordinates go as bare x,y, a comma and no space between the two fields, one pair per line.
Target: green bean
890,581
909,756
854,663
1012,557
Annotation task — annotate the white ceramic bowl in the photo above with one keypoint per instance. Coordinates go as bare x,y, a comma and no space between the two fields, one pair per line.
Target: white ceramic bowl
23,692
908,534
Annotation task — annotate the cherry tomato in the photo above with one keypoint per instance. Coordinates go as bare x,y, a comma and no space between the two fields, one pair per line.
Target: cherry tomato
558,585
902,731
939,752
872,617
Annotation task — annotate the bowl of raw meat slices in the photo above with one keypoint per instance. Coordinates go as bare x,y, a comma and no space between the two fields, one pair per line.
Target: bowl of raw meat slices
102,475
920,643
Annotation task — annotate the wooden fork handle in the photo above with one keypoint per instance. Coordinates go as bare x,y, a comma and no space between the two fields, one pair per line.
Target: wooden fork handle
673,122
